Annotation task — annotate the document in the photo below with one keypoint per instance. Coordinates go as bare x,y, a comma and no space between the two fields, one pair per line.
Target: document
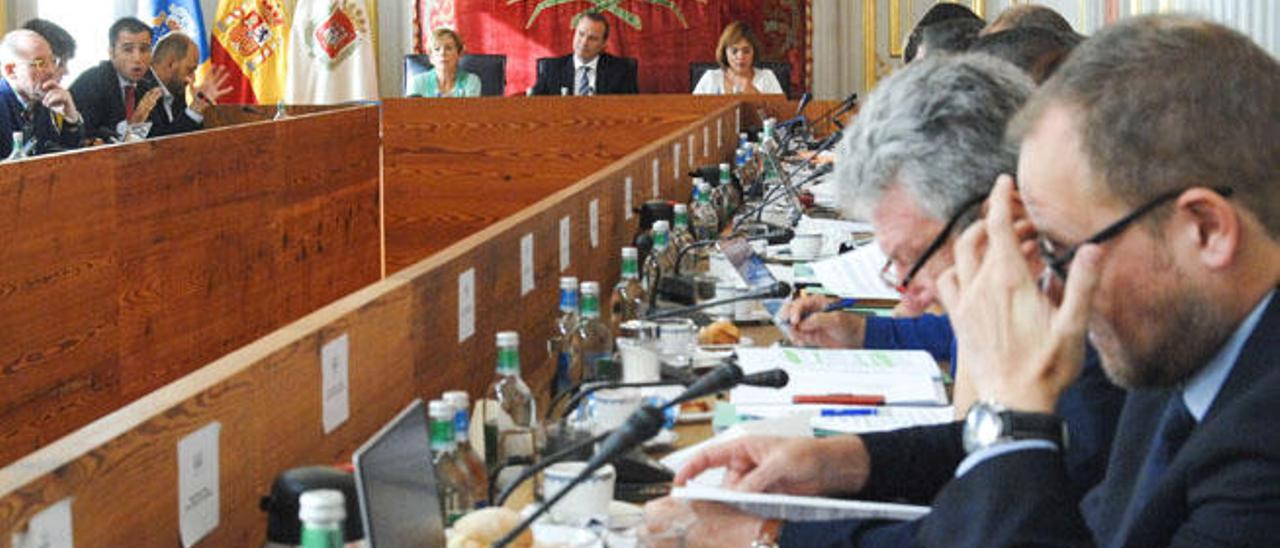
900,377
800,508
856,274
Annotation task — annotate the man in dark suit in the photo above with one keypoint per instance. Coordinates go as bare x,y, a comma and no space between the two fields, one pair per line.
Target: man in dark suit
588,70
32,101
173,64
1171,236
119,93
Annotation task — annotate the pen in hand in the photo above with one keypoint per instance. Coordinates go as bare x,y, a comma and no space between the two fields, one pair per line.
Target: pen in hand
835,306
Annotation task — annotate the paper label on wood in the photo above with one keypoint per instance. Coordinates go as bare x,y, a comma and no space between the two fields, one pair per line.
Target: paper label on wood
706,141
334,375
719,133
737,121
51,528
657,178
564,244
466,304
692,160
627,193
526,265
593,214
198,497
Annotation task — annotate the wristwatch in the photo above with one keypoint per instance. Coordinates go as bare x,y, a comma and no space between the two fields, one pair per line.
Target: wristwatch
988,423
768,535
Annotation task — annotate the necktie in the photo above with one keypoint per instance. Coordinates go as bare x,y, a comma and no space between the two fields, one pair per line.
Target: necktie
584,83
1173,430
130,100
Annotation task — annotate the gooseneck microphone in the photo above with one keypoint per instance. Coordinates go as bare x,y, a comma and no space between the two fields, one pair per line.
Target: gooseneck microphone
779,290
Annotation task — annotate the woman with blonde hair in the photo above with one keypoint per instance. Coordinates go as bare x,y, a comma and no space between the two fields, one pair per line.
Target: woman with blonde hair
445,79
736,54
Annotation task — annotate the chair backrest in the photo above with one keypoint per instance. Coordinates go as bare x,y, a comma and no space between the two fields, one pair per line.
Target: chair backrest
781,69
544,62
491,68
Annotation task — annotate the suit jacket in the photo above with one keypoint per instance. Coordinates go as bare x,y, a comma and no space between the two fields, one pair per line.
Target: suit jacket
101,101
913,465
48,134
162,124
614,75
1221,488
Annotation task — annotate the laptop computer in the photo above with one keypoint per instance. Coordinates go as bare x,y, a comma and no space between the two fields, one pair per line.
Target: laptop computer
750,266
396,484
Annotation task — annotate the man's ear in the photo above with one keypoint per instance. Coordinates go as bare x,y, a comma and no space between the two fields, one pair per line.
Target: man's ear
1211,225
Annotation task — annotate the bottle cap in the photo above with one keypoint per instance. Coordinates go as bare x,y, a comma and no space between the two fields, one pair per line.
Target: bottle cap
508,338
568,282
662,226
681,208
322,506
439,410
630,252
590,288
459,399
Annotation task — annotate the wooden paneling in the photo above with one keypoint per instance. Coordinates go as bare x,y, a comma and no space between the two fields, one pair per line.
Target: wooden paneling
454,167
127,267
121,470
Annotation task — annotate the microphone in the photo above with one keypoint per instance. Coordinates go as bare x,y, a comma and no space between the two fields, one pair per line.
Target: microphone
769,378
778,290
697,244
804,102
844,106
585,389
719,379
759,208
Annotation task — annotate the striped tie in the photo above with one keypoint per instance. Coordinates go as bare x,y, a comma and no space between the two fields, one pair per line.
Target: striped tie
584,83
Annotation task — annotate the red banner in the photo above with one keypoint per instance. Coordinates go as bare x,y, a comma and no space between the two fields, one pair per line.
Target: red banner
665,36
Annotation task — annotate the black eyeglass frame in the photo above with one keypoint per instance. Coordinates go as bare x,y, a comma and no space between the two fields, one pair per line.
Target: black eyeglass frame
934,246
1058,264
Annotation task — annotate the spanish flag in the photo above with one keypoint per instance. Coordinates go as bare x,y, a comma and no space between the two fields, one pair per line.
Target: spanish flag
250,42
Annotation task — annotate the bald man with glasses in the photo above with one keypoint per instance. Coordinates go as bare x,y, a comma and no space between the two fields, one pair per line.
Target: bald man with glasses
32,101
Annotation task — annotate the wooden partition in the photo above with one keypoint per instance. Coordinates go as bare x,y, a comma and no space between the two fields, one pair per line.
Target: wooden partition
129,266
455,167
404,341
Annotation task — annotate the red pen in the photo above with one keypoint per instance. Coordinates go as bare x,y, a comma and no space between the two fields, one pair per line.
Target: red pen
840,399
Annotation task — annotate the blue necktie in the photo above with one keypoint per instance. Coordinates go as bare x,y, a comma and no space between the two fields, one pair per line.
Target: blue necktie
1173,430
584,84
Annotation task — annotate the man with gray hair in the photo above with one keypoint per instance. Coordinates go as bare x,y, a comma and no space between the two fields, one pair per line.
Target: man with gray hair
922,155
32,101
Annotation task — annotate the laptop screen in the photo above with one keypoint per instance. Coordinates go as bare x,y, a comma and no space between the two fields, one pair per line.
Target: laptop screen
748,264
396,482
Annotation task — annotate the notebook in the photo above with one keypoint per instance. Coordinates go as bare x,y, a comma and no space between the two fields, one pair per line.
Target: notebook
396,484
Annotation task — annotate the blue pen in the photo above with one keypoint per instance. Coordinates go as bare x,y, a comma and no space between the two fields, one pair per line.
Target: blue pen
857,412
836,306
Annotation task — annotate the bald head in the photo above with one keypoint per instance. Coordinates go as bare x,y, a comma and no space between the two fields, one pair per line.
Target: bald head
26,62
174,60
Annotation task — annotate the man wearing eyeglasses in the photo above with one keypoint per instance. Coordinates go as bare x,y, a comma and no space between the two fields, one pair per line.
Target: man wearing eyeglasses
1147,169
32,101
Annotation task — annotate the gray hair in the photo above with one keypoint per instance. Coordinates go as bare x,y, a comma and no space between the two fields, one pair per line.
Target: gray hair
937,128
11,47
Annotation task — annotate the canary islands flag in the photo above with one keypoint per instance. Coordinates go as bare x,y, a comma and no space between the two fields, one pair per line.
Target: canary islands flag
250,42
183,16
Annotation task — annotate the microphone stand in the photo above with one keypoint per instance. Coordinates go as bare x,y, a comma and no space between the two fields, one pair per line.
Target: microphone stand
530,471
760,294
770,200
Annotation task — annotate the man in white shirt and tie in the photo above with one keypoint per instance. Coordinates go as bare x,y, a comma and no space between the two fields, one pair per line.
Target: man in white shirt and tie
588,70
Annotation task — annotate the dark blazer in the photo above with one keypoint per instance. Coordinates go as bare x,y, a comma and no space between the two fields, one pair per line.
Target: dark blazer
615,75
913,465
1222,487
100,100
41,126
162,124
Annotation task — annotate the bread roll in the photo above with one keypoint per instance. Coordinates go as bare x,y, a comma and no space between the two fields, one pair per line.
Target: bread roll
720,332
482,528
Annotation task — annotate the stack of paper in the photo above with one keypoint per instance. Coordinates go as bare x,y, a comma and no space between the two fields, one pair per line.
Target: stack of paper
799,508
856,274
900,377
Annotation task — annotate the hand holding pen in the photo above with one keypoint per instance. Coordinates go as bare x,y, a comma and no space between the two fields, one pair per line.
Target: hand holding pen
812,325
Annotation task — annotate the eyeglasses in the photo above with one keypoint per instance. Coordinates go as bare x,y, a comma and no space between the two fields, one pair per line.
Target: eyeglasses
1057,261
42,63
891,278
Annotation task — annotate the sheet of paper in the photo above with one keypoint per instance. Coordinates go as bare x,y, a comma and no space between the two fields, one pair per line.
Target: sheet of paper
719,133
783,425
675,161
50,528
466,304
627,193
798,508
692,159
565,241
198,497
334,375
902,377
526,264
856,274
593,214
706,141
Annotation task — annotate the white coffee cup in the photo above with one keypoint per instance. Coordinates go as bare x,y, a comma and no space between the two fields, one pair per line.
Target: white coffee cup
588,500
610,408
806,245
